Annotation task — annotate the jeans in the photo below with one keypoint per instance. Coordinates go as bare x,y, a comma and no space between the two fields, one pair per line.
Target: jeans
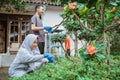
68,52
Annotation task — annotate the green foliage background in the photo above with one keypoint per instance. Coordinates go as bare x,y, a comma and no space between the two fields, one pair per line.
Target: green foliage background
10,5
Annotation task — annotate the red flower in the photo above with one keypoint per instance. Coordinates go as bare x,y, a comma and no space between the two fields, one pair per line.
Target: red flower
91,49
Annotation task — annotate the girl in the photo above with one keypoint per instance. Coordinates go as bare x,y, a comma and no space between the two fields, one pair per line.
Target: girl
28,58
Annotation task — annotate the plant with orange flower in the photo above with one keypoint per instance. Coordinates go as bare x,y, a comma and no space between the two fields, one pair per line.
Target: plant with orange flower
91,23
91,49
94,50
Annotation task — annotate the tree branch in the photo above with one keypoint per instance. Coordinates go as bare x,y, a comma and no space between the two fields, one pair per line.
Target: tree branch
103,14
82,24
112,26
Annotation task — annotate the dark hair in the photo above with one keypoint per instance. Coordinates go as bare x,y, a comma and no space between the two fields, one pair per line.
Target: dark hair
38,6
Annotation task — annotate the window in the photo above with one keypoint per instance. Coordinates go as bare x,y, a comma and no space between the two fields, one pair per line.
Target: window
18,29
25,29
14,32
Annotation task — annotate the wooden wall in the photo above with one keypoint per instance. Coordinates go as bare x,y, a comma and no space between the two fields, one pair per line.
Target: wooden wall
2,38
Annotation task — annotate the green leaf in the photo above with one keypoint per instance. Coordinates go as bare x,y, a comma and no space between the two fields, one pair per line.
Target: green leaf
72,16
81,51
113,3
100,47
93,43
62,15
98,4
80,6
100,56
66,9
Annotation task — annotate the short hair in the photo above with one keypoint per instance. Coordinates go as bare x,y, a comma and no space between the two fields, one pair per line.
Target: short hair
38,6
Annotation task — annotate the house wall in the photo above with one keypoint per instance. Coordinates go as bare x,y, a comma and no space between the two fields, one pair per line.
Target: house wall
52,18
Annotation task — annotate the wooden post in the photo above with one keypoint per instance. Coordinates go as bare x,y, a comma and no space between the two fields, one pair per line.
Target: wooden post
8,34
19,32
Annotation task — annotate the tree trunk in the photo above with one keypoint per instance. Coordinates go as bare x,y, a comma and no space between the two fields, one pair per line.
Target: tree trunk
106,38
76,44
108,50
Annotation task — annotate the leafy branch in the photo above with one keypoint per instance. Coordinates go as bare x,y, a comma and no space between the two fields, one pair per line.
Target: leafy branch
81,24
112,26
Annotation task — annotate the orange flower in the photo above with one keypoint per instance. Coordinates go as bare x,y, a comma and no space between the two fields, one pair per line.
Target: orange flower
91,49
118,22
113,10
115,18
72,5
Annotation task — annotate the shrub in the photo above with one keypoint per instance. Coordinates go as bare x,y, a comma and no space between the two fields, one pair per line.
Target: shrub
76,69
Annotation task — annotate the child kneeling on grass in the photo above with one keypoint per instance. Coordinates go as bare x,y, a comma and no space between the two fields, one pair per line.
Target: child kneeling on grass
28,58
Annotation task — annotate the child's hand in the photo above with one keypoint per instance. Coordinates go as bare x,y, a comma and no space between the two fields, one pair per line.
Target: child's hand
46,55
45,60
49,56
42,56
